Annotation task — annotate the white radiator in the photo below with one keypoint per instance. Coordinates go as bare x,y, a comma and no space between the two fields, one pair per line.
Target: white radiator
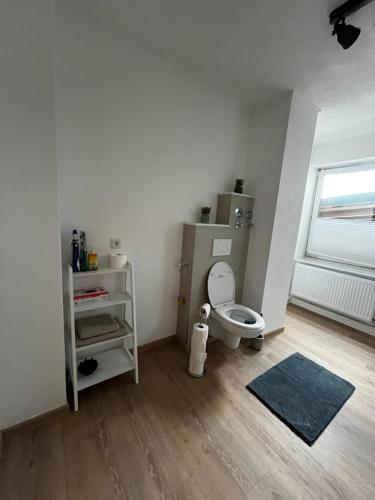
350,295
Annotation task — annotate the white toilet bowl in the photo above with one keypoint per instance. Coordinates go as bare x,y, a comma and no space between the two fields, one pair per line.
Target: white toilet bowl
237,320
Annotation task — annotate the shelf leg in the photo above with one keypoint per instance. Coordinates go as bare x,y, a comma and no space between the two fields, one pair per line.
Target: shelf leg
73,359
134,320
135,375
75,400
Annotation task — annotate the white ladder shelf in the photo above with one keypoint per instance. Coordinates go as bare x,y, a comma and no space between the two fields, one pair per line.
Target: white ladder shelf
115,355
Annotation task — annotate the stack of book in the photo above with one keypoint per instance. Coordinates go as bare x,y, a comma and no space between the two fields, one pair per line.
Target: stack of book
90,296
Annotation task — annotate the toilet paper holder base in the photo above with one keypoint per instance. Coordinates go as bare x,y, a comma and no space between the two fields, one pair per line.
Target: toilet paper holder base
197,376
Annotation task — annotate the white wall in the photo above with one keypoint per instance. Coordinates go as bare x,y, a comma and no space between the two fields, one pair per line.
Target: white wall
294,173
141,146
307,208
349,149
32,369
268,123
282,132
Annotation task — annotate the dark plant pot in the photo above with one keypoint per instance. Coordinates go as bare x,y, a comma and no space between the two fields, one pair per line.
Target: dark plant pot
238,188
205,218
257,343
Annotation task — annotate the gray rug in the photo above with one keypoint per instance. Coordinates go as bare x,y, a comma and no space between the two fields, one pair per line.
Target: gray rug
303,394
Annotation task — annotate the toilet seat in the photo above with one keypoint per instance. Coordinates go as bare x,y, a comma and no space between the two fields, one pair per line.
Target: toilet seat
238,320
220,285
237,314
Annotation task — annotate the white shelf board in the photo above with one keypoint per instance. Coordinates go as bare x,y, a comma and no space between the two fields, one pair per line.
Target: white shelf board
103,270
204,224
240,194
111,363
114,300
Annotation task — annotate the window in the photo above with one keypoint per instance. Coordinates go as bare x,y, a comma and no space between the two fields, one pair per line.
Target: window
343,219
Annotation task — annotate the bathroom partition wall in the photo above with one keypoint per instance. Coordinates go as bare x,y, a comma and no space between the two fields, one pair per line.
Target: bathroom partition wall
233,221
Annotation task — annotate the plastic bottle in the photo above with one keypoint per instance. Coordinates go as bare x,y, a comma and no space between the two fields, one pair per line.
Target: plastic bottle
75,251
93,260
83,261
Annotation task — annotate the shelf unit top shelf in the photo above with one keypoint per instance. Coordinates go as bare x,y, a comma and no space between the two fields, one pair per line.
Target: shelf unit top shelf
103,270
111,363
115,299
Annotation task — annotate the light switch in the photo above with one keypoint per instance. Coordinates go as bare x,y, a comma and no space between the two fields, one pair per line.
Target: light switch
221,247
115,243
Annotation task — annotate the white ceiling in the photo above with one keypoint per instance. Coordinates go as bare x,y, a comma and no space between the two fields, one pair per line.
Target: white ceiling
256,48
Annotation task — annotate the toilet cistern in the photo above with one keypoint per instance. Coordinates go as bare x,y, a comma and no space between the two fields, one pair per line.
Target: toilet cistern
237,320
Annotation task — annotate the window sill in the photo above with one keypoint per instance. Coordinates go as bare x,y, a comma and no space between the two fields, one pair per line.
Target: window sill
361,272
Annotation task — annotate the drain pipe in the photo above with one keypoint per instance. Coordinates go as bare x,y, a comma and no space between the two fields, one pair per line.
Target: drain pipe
198,344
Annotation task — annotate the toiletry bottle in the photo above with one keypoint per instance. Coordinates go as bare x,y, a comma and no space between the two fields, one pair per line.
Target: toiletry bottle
93,260
75,251
83,262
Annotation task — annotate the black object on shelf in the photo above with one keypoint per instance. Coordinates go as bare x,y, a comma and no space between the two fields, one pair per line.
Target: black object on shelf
88,366
238,188
75,251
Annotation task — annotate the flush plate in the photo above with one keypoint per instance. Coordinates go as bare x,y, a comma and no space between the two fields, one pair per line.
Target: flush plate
221,246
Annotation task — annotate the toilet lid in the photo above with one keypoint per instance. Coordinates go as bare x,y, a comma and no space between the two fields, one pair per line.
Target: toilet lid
221,285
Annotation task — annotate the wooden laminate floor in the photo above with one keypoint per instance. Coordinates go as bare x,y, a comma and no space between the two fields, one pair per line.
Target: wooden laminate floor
176,437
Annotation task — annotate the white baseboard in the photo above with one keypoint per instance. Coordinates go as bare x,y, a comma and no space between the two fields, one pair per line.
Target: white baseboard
357,325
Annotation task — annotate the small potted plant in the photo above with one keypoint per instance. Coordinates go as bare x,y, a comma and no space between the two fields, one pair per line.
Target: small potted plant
205,215
238,188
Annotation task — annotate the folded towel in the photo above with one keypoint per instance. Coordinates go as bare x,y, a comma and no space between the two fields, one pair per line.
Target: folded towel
94,326
123,330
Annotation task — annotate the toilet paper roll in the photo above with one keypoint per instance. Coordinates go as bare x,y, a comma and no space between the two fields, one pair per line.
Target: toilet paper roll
198,350
204,311
117,261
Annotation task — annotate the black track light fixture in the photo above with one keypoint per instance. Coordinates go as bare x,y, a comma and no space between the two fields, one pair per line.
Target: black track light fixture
346,33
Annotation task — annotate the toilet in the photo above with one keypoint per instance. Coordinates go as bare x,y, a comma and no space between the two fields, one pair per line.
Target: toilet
237,320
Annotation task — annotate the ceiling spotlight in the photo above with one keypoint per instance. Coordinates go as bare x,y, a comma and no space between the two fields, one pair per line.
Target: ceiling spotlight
346,33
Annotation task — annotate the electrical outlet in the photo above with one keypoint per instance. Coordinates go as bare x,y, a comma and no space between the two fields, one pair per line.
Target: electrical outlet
115,243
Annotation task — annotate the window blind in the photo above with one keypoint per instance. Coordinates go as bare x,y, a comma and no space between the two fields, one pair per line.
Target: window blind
347,241
343,219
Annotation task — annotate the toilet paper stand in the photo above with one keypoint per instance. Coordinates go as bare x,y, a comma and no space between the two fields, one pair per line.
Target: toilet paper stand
199,337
